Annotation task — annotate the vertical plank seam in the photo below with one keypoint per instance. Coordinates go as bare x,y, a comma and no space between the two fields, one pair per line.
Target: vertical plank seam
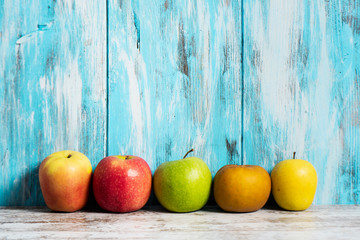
107,81
242,82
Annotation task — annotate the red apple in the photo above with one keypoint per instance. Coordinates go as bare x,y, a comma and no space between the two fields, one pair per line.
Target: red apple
122,183
65,179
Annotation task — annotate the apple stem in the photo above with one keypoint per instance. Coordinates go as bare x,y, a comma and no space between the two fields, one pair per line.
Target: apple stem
294,155
191,150
69,156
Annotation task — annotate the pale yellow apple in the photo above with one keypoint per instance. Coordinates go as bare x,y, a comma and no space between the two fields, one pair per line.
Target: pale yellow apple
294,184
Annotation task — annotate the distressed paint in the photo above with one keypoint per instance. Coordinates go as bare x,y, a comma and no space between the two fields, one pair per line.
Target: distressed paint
301,81
175,80
52,89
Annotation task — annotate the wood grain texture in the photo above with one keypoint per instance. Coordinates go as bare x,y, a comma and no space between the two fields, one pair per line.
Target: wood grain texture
175,80
52,88
167,76
302,92
318,222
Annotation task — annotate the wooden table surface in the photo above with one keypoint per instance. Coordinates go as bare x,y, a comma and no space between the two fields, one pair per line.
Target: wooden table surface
318,222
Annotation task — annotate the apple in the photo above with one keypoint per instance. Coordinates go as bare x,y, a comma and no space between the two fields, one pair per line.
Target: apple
122,183
241,188
294,184
183,185
65,179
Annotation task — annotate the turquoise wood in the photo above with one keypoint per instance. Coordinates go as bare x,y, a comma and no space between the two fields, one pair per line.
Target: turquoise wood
157,78
302,92
52,89
175,80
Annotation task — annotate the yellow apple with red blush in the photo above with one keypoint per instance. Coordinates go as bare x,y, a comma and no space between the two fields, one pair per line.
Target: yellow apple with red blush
65,179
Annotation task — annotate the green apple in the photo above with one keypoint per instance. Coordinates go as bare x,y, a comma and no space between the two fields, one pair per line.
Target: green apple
183,185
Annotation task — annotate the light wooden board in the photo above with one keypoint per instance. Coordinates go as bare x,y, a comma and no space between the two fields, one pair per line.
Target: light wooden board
325,222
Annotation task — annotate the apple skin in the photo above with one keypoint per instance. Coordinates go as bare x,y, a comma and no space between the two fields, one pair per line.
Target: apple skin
294,183
122,183
183,185
65,179
241,188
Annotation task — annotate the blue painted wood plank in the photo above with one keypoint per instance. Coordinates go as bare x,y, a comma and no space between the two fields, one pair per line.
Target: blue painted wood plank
52,89
175,80
301,80
175,83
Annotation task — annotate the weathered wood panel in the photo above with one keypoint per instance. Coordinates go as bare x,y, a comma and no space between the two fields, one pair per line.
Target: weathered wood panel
175,80
318,222
52,88
302,90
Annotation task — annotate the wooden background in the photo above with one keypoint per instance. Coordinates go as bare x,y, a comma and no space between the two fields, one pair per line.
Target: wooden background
242,82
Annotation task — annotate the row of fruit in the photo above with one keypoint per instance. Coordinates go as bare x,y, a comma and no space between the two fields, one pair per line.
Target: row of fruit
123,184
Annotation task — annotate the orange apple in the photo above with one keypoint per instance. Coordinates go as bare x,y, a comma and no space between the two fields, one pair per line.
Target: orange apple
65,179
241,188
